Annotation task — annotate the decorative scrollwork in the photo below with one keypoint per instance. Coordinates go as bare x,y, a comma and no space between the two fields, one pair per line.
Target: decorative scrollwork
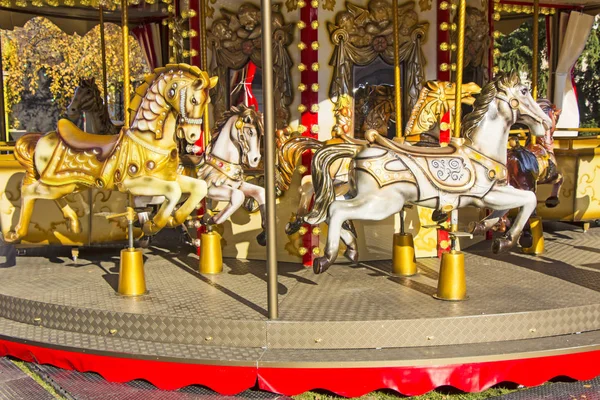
235,39
360,35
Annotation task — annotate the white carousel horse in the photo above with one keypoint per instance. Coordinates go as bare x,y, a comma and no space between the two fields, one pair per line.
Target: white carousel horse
142,160
87,100
235,146
388,175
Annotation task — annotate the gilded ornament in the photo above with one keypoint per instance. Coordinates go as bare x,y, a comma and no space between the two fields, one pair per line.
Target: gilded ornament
314,128
302,87
314,3
314,87
314,45
315,66
301,67
302,46
314,24
314,108
301,108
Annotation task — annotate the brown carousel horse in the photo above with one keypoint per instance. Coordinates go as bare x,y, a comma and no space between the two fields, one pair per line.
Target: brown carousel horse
142,160
88,101
535,163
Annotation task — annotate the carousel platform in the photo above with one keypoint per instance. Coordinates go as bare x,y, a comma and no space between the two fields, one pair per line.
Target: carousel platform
351,330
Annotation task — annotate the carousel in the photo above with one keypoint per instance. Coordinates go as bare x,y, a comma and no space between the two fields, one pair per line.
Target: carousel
354,196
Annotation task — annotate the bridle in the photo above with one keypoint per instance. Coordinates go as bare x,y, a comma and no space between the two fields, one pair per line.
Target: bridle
514,105
183,118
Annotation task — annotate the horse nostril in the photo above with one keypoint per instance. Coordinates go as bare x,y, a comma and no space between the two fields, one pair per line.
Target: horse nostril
255,159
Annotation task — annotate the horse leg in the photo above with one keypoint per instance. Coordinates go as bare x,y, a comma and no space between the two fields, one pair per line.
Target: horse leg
553,200
375,204
306,193
29,194
258,194
150,186
70,215
507,197
349,239
197,189
481,227
235,198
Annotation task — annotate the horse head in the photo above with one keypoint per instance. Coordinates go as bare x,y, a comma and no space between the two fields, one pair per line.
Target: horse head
246,134
518,102
86,98
188,96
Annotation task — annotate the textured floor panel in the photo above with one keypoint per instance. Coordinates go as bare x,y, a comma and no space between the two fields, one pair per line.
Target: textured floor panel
16,385
583,390
91,386
512,296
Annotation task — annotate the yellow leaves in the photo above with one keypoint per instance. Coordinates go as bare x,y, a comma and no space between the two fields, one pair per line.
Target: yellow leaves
40,47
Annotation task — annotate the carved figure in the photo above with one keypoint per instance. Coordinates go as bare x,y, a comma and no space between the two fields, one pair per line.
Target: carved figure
469,172
235,39
142,160
88,100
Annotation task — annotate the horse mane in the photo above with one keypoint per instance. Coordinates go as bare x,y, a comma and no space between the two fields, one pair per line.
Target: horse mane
240,110
142,89
90,83
483,100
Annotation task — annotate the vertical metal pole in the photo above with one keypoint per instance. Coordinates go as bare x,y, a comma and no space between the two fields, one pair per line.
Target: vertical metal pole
535,61
3,127
204,65
397,80
460,54
103,49
269,111
125,28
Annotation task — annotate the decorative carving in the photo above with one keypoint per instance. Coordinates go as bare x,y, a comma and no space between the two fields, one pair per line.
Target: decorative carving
235,39
361,35
477,44
375,109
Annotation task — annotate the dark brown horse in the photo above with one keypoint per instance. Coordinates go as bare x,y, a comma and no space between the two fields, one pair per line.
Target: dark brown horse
535,162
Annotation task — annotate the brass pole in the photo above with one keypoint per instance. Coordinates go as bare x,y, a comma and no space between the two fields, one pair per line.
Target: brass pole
3,128
204,64
269,121
103,49
460,53
125,28
536,34
397,80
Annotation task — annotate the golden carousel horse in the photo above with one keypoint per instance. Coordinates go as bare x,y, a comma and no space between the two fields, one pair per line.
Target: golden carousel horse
142,160
470,171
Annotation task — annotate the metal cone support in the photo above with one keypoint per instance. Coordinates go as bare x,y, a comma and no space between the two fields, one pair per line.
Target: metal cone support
452,283
211,257
537,231
404,262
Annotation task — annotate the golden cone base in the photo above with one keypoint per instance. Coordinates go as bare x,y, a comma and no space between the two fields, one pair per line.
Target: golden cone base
537,231
452,284
404,262
211,258
132,281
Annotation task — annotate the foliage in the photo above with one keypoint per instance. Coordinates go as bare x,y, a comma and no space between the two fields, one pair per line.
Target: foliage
439,394
41,47
515,52
587,80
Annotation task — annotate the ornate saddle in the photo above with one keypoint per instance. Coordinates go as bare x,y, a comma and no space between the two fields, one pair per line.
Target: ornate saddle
374,137
78,140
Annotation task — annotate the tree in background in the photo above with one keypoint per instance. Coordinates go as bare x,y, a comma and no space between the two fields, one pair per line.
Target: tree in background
587,80
515,52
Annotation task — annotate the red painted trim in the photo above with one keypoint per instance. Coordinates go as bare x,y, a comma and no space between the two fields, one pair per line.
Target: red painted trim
308,56
349,382
164,375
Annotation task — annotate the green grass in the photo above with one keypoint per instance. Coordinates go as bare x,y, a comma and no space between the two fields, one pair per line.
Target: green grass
23,366
441,394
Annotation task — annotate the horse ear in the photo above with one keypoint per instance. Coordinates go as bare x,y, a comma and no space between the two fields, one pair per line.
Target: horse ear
93,80
213,82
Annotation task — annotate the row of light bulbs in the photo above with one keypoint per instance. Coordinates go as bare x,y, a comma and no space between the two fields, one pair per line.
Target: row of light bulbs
108,4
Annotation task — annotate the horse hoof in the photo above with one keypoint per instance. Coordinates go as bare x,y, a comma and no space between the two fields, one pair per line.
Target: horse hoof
150,228
261,238
320,265
439,216
352,255
293,227
12,237
552,202
477,228
526,240
501,245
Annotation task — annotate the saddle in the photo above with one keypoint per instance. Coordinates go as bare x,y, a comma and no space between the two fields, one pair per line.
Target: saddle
78,140
422,151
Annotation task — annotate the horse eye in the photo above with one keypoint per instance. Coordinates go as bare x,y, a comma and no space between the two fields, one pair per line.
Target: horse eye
194,101
524,91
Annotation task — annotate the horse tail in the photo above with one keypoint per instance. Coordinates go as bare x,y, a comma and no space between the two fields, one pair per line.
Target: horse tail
322,179
289,156
24,150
